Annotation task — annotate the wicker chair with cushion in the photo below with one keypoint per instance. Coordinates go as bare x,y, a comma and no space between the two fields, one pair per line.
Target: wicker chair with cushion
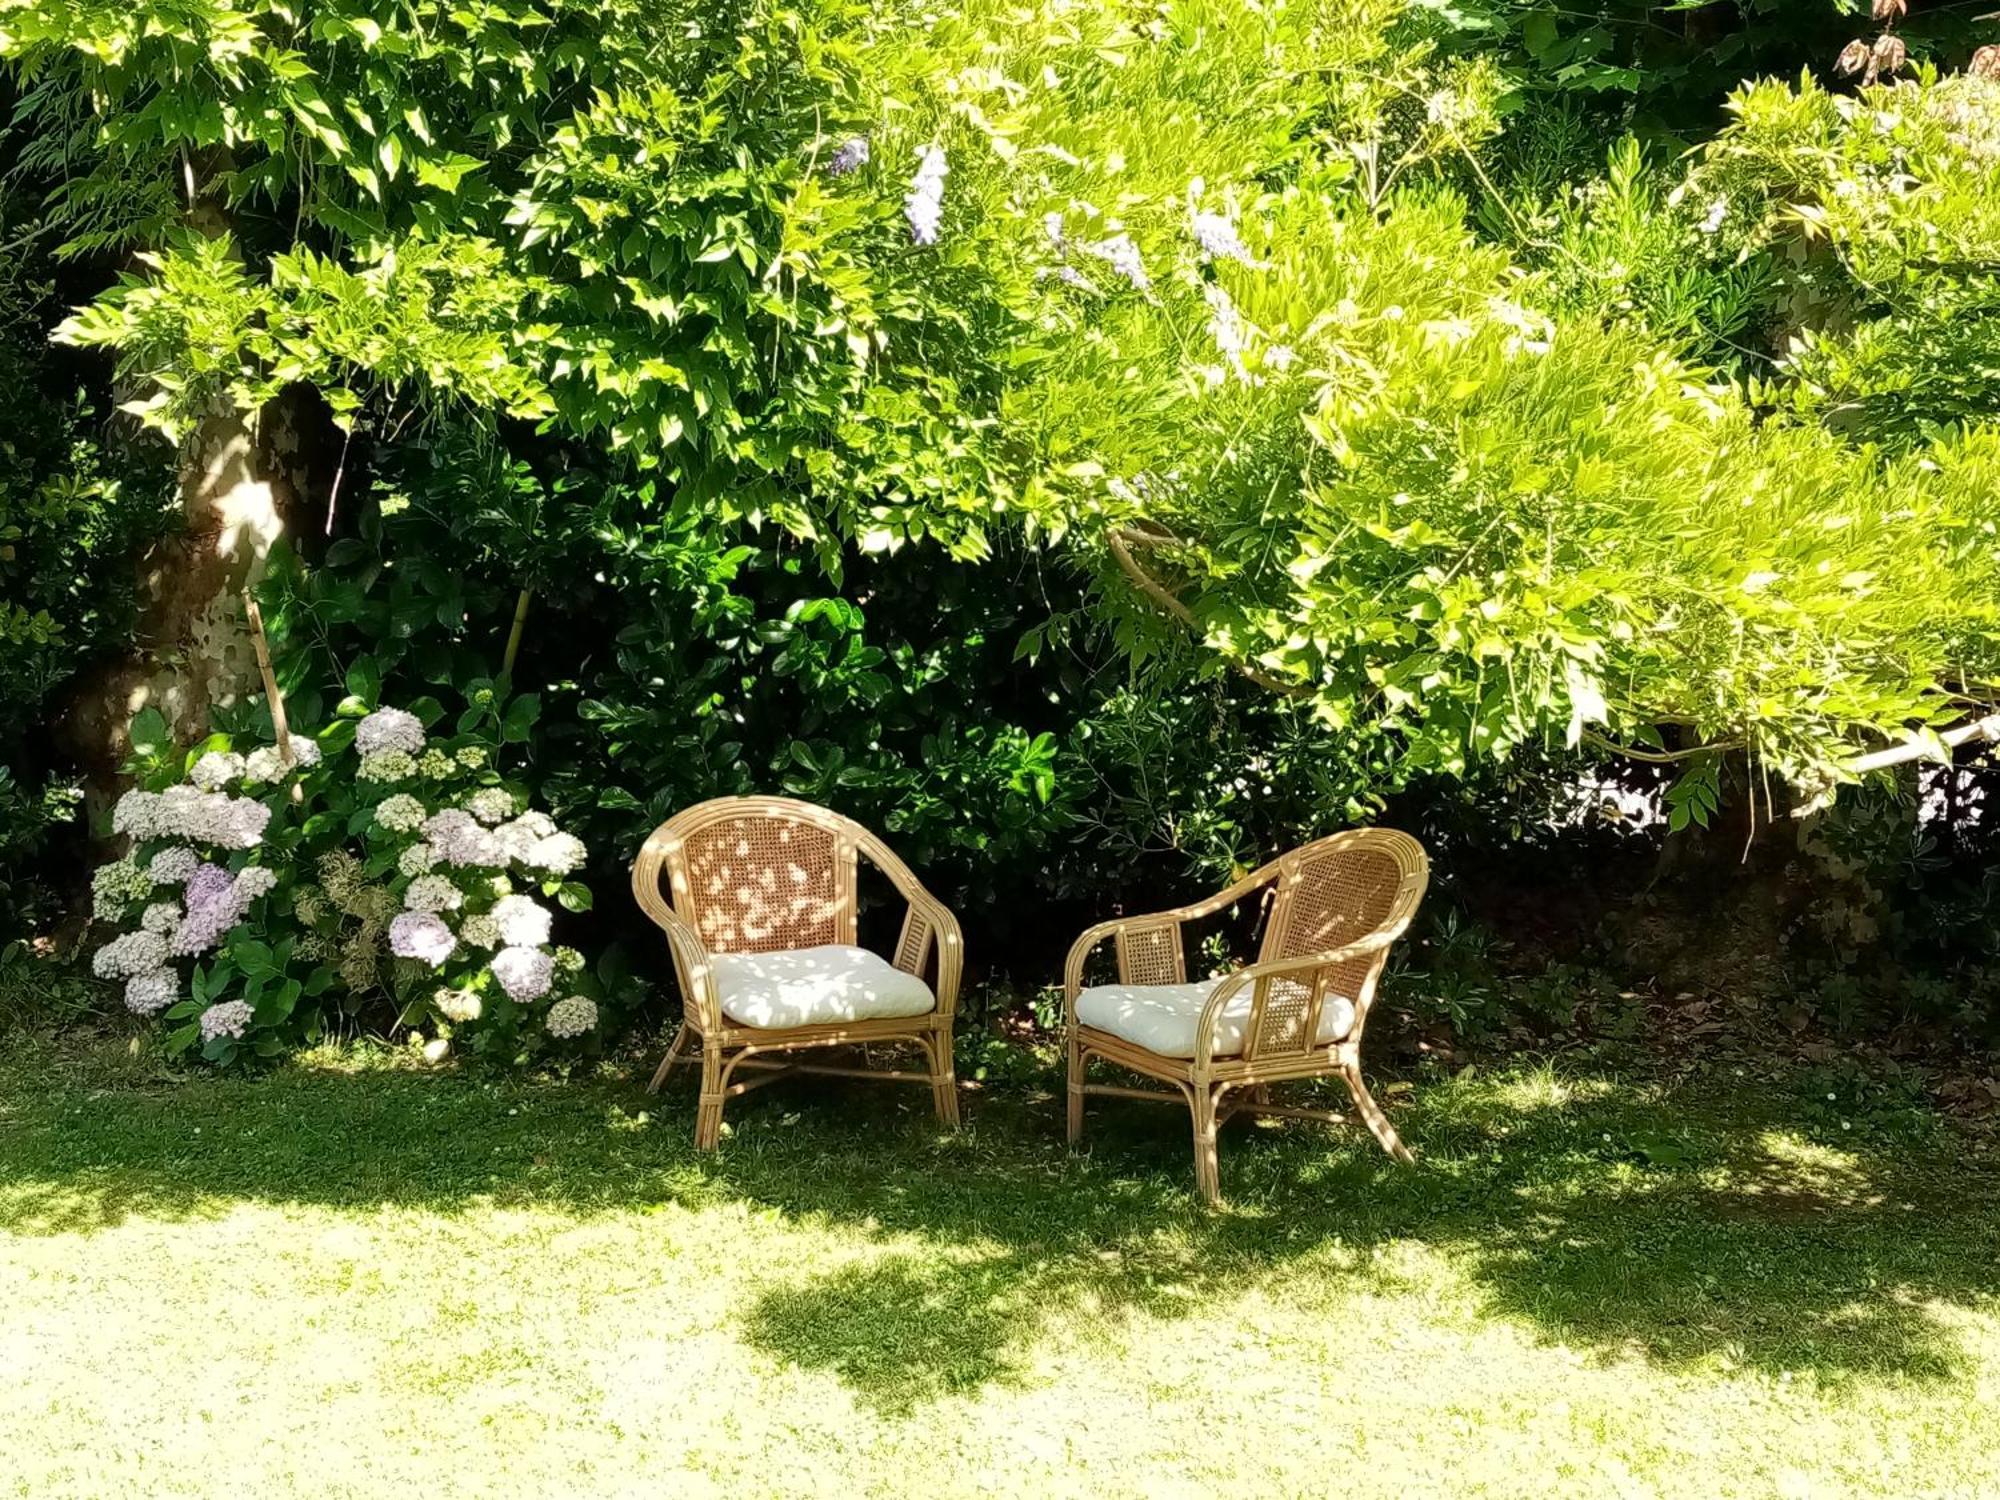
760,918
1298,1012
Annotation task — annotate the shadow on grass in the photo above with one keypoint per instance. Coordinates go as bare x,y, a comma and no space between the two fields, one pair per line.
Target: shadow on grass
1677,1228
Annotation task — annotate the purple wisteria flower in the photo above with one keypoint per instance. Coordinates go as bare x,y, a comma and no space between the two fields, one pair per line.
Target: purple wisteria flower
851,157
421,935
924,207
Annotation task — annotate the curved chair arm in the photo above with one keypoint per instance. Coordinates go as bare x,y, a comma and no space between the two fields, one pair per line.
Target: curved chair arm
1279,968
929,922
1169,919
692,966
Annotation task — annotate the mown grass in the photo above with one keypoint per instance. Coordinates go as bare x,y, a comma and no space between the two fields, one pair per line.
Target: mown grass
363,1279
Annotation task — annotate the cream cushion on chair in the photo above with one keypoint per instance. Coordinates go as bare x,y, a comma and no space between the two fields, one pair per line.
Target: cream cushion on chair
815,987
1163,1018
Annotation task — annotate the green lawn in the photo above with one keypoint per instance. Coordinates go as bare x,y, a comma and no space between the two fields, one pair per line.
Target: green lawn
369,1280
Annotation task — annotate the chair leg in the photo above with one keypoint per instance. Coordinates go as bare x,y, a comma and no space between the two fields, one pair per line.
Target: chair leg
1207,1172
1076,1066
673,1056
1377,1122
708,1114
944,1077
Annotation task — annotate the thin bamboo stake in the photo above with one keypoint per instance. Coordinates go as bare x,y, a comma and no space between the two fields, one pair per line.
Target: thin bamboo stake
279,724
514,635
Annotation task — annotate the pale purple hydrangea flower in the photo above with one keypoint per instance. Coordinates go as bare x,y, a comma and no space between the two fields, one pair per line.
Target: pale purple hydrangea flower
128,954
924,207
524,973
851,157
461,841
230,1018
216,902
152,992
571,1016
389,729
421,935
522,923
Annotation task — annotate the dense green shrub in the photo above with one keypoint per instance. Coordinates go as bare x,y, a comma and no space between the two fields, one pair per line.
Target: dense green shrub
75,508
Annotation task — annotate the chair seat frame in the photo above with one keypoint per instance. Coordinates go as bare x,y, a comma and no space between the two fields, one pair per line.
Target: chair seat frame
722,1047
1276,1048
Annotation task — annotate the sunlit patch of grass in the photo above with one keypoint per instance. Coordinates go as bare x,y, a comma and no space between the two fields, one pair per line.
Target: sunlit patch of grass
359,1275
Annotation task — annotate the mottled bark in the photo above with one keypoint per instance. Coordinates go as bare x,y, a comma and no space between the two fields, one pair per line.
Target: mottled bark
242,489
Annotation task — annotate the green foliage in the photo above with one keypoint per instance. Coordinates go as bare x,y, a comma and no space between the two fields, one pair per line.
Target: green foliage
74,511
1884,208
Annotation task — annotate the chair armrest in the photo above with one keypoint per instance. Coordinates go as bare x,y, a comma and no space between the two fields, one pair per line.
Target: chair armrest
692,964
1149,922
928,923
1234,984
693,967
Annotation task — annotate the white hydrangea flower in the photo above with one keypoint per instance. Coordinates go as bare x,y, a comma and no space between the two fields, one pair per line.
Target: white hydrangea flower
262,764
231,1018
559,854
435,764
472,757
173,866
162,917
115,886
457,1005
387,765
401,813
128,954
491,804
432,893
152,992
522,922
571,1016
216,770
416,860
253,881
480,931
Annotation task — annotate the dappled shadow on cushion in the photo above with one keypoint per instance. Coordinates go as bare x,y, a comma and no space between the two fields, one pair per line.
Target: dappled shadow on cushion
1625,1222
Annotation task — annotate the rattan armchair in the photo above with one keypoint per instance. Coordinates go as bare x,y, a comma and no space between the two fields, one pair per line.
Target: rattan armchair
760,919
1298,1012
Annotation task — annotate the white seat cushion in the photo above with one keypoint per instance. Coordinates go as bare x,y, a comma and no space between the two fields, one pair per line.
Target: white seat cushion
815,987
1163,1018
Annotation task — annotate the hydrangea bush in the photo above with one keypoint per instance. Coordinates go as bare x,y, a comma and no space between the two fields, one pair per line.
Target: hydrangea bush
385,876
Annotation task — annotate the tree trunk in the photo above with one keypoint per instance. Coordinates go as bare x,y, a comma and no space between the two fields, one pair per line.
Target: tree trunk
242,487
